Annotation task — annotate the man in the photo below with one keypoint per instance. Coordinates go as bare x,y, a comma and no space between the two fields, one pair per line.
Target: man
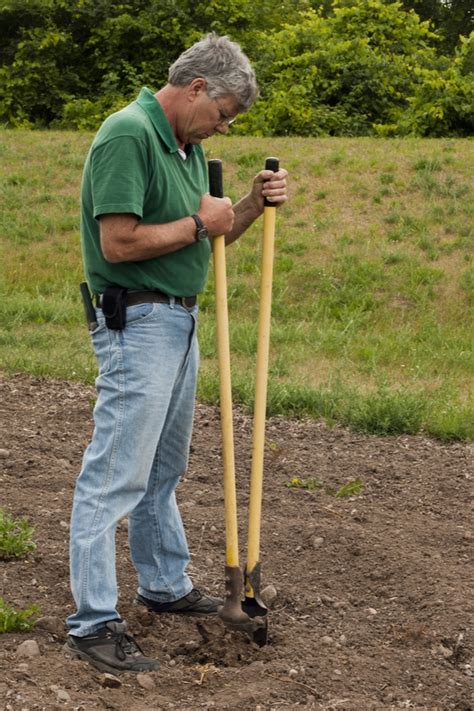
147,225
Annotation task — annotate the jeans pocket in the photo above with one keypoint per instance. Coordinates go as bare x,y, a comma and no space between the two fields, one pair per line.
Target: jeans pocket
138,313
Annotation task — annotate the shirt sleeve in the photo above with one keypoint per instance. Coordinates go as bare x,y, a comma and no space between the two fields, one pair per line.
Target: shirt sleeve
119,176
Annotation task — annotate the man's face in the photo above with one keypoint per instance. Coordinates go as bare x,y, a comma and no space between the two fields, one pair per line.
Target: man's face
207,117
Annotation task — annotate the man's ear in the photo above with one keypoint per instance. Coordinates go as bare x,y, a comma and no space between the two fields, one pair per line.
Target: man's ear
196,87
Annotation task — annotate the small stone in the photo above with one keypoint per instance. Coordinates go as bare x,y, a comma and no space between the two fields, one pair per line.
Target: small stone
4,453
62,695
445,651
172,663
259,665
371,611
318,542
343,639
64,524
146,681
269,595
109,681
213,529
326,599
326,640
51,624
209,562
292,673
468,670
29,648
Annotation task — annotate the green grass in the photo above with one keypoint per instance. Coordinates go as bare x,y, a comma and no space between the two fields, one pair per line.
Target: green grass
15,537
373,286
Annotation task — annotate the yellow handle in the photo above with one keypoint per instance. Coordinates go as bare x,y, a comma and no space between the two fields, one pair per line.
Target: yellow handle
223,349
263,348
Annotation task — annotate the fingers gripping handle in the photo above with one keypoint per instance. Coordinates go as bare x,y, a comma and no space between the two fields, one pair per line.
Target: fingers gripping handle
270,164
216,187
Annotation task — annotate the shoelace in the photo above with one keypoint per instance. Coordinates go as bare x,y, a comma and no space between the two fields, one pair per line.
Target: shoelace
125,644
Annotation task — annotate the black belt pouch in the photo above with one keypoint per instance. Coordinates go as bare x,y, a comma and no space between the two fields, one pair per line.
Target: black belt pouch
114,307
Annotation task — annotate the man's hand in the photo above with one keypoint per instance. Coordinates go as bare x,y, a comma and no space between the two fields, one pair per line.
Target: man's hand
271,186
266,184
217,214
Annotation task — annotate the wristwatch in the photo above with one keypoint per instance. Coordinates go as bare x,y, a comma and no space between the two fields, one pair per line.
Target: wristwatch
201,229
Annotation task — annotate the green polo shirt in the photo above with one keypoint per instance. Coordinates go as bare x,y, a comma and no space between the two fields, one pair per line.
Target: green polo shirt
134,166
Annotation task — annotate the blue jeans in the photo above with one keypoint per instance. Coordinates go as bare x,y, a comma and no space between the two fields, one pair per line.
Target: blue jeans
139,451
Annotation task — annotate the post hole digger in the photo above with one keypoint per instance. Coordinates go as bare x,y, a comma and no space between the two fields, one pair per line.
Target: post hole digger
250,614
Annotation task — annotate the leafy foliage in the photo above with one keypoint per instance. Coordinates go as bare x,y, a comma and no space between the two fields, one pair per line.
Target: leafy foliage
369,67
350,67
309,484
15,536
352,488
16,620
451,18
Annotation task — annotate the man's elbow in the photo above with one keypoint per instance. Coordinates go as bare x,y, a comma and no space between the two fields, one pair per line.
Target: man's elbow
113,251
116,237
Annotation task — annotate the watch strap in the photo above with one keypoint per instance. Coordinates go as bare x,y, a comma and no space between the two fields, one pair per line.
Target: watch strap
200,227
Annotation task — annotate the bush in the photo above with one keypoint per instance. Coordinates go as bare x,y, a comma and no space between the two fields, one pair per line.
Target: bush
442,103
367,68
364,67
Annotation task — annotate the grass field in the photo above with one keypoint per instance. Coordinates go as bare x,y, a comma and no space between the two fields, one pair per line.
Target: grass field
373,290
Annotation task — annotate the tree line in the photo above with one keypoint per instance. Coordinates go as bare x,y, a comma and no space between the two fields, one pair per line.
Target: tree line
330,67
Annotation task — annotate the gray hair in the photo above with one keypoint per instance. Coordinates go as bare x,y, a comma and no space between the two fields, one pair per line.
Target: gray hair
222,64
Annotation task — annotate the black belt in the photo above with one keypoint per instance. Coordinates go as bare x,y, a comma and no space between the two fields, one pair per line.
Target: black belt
154,297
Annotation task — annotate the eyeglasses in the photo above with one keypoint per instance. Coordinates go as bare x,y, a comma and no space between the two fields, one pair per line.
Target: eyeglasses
224,118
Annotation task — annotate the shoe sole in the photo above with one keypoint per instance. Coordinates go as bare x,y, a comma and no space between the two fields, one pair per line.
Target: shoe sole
186,613
101,666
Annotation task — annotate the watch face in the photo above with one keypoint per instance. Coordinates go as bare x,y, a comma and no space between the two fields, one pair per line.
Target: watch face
202,233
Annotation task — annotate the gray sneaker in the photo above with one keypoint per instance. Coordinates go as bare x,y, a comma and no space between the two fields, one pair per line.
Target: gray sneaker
194,604
111,650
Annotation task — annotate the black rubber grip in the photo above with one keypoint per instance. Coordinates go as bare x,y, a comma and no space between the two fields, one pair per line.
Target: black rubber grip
271,164
89,309
216,188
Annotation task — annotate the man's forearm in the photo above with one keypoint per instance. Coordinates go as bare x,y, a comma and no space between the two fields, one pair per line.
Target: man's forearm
124,239
246,211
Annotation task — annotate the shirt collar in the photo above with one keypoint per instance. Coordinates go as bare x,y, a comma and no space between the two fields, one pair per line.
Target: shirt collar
152,107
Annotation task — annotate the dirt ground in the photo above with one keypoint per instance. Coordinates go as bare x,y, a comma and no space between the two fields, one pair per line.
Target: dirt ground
374,593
